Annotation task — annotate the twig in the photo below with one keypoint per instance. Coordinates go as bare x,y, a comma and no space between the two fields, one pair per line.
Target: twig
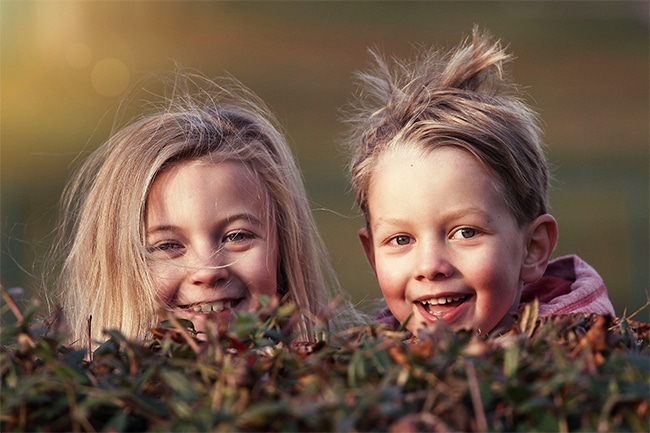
89,334
183,331
475,394
12,306
644,306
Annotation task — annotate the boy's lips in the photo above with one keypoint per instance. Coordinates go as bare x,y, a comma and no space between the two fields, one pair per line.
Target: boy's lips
442,307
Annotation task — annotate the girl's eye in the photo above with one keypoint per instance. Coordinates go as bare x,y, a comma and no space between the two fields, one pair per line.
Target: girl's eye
166,246
166,249
401,240
465,233
238,236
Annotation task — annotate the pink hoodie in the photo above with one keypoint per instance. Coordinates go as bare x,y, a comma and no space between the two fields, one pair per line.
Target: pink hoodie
569,285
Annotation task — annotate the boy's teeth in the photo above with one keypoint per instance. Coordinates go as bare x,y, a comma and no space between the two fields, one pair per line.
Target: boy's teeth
213,306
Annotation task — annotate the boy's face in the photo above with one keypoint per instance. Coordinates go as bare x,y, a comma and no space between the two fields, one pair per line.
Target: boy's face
211,246
442,242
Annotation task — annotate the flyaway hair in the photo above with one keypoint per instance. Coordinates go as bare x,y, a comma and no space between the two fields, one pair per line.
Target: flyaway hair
460,98
101,244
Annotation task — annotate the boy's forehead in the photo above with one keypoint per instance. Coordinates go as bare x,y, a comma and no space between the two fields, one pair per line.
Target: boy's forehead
460,165
412,152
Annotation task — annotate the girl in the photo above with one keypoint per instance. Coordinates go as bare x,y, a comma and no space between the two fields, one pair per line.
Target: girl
449,171
198,209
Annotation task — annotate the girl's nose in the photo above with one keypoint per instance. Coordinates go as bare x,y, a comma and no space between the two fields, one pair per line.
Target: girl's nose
433,262
210,270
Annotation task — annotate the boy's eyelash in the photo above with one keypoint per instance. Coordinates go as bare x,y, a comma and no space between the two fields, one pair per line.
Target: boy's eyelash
472,232
394,240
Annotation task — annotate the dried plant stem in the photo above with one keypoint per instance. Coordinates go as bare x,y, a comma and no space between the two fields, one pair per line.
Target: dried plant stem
12,306
186,335
88,335
475,394
643,307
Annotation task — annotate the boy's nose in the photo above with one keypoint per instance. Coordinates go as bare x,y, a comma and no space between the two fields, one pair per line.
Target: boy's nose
433,262
209,270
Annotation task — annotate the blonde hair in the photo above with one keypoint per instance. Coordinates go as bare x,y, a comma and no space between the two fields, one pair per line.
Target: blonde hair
102,237
461,98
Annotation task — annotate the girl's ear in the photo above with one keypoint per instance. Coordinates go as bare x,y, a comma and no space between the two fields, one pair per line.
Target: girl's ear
366,240
542,236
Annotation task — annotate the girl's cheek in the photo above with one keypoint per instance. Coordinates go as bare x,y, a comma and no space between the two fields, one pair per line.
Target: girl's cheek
165,278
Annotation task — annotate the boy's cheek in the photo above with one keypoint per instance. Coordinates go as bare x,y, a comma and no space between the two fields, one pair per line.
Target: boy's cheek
393,292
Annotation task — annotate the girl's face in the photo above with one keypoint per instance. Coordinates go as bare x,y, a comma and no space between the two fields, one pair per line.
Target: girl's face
441,240
212,249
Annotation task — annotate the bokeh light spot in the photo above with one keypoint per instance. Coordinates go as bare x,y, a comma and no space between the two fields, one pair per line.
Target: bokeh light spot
110,77
79,55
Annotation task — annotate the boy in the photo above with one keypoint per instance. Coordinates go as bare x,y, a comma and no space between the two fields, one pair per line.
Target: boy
449,171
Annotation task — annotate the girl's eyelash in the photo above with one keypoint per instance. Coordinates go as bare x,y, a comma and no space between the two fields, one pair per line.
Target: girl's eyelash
239,234
166,245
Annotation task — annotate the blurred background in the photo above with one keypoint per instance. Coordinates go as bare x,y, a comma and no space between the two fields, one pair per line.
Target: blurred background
66,65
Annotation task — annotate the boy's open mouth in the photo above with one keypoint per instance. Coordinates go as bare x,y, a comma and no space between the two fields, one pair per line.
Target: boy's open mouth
438,306
212,307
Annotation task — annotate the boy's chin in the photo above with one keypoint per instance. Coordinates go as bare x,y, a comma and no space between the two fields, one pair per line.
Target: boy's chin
503,326
464,324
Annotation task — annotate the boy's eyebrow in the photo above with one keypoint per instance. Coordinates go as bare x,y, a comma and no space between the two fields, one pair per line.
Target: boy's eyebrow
399,221
468,211
387,221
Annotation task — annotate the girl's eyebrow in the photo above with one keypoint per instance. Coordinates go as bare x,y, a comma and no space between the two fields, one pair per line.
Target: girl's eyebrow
161,228
244,216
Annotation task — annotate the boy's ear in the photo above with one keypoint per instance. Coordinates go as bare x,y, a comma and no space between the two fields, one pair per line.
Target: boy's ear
366,241
542,236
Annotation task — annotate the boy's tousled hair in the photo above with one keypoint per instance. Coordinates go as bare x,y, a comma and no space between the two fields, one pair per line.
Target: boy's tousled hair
102,242
462,99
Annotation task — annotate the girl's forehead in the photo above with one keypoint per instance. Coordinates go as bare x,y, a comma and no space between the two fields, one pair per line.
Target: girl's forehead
215,162
209,187
198,173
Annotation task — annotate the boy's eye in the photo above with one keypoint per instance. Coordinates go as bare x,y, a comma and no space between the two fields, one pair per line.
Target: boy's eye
401,240
465,233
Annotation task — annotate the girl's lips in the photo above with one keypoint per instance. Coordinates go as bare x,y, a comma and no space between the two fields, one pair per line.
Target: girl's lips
212,307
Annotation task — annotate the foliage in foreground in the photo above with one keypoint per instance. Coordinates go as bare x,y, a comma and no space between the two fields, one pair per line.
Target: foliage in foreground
566,373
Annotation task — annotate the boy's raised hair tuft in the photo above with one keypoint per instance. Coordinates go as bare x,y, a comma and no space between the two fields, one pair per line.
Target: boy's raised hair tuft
461,98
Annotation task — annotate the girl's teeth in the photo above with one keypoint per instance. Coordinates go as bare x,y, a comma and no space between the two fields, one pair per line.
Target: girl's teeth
210,307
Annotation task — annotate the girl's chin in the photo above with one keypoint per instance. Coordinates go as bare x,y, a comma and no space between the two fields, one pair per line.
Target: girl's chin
208,322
